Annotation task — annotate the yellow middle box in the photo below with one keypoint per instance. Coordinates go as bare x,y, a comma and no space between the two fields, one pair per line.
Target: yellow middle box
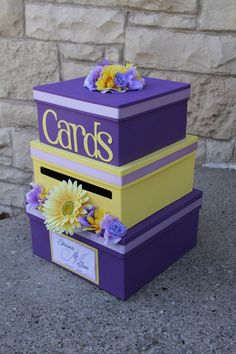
130,192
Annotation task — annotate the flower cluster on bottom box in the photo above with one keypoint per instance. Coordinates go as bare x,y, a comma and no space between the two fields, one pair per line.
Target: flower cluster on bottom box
66,209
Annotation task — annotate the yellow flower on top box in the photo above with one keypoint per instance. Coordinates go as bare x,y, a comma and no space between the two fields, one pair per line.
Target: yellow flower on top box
131,192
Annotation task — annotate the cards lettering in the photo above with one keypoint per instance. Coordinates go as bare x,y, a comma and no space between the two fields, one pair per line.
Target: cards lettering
70,136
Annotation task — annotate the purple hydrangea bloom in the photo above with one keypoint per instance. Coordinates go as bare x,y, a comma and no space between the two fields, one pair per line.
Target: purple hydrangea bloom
96,72
131,73
83,221
136,84
32,197
104,62
133,83
106,221
114,230
92,77
89,209
121,80
89,83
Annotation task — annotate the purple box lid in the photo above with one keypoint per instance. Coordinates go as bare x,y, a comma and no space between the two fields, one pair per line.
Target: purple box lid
74,89
73,95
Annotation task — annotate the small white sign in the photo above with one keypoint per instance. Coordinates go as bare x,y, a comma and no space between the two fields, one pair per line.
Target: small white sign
75,256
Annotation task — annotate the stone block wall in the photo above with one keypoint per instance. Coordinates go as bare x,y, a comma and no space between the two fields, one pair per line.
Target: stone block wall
50,40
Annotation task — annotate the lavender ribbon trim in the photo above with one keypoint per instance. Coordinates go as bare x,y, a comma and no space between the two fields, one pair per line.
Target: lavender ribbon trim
111,112
156,165
108,177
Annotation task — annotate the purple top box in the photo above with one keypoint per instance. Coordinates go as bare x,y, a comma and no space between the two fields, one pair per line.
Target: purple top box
116,128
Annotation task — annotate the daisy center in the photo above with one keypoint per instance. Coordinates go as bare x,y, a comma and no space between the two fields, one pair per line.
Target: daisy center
68,208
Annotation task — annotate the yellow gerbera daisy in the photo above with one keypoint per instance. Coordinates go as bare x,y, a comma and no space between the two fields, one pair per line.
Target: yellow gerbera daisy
64,206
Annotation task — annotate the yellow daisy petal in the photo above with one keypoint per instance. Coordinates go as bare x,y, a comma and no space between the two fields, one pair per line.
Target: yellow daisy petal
64,206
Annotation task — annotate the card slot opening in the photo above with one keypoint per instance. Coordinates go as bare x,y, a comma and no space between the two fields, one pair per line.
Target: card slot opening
86,185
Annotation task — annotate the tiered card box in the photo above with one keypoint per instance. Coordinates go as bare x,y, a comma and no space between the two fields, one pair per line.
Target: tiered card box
131,153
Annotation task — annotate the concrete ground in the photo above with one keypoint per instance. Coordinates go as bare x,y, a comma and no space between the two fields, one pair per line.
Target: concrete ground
188,309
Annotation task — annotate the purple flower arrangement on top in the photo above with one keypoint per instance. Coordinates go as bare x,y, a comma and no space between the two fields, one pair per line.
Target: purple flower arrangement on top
105,77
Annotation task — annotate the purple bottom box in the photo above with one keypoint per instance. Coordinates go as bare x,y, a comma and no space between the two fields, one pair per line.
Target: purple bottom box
148,249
